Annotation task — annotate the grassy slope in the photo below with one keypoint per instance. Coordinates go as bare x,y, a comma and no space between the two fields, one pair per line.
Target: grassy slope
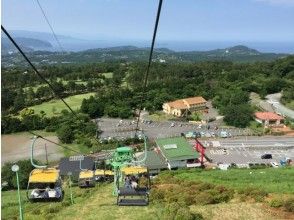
98,203
73,101
272,180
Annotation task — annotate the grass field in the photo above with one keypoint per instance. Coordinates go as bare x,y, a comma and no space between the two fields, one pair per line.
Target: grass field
98,202
271,180
54,107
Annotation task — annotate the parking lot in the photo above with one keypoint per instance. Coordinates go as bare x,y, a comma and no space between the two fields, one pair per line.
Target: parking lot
244,151
112,128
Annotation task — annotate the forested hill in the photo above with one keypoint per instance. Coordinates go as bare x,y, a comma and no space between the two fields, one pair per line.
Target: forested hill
131,53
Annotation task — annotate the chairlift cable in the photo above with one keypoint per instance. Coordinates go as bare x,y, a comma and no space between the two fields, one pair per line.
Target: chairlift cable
46,139
35,69
52,30
143,96
40,75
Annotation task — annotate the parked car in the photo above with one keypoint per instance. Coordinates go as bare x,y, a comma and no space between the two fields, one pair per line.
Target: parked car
266,156
172,124
275,164
223,134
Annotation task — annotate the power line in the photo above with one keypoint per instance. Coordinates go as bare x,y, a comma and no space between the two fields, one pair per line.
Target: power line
149,63
35,69
65,147
52,30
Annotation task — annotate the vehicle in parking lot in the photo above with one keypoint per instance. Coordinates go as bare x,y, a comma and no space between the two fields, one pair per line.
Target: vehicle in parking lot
266,156
224,134
172,124
275,164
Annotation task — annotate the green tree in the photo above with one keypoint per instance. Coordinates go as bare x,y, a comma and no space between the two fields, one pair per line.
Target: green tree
238,115
65,133
25,168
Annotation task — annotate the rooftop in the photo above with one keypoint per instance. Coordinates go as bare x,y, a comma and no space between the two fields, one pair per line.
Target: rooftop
154,160
195,100
183,103
268,116
176,149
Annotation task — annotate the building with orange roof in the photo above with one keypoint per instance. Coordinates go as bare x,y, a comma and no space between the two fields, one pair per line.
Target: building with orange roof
181,107
269,118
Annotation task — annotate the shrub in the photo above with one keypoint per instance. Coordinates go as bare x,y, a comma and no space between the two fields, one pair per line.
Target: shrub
276,203
257,194
289,205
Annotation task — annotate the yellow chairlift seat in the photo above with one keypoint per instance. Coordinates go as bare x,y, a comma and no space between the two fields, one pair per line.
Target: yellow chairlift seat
50,175
86,174
86,179
99,172
134,170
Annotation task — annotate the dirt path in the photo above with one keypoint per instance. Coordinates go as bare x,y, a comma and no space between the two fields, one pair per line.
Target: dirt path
16,147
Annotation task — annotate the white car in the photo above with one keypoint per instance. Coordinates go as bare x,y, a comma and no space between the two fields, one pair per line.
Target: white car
274,164
172,125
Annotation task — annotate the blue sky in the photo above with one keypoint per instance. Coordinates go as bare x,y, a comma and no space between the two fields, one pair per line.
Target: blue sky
189,20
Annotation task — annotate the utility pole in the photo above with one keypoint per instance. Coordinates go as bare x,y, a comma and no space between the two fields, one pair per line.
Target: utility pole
15,168
46,154
71,197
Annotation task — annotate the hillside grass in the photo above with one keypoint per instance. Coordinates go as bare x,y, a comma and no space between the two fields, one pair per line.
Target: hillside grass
54,107
98,202
269,179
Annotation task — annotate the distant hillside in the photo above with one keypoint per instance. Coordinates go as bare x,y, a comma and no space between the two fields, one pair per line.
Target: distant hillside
238,53
27,44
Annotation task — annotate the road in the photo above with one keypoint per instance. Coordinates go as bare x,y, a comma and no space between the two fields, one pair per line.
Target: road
110,128
274,99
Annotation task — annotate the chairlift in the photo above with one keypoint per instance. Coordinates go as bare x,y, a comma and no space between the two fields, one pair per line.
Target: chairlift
135,187
44,183
86,177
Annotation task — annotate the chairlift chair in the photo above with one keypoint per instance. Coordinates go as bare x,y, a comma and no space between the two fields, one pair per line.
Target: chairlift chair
44,183
86,179
104,175
130,196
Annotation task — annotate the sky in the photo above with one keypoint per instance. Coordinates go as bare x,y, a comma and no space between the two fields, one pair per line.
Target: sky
181,20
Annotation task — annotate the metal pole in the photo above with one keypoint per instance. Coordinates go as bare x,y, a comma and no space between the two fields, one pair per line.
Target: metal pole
71,197
19,199
46,153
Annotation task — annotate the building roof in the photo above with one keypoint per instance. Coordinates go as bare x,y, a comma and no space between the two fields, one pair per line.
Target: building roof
50,175
178,104
72,164
268,116
176,149
183,103
154,160
195,100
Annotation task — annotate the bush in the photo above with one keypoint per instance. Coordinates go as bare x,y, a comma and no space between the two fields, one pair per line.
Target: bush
289,205
25,168
257,194
276,203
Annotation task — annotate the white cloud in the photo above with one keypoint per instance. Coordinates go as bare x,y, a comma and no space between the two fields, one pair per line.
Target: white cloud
278,2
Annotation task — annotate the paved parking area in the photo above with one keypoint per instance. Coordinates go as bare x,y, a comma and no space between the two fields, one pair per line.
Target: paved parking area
110,128
242,151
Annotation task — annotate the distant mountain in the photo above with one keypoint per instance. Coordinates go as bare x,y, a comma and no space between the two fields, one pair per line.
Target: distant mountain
27,44
237,53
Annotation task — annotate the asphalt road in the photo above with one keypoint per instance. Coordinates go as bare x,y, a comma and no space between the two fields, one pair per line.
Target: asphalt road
110,128
274,99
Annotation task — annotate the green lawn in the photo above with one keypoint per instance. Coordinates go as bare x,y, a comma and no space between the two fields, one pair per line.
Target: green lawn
54,107
290,105
63,81
98,202
272,180
108,75
94,203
